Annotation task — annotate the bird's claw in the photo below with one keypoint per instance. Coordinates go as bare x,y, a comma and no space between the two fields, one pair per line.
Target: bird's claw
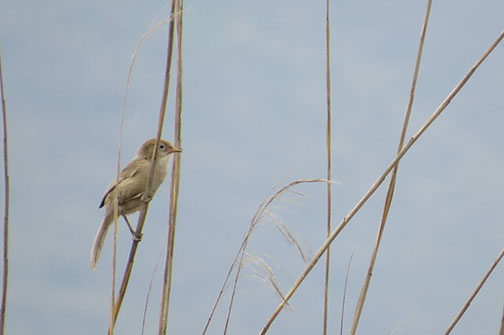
137,237
146,198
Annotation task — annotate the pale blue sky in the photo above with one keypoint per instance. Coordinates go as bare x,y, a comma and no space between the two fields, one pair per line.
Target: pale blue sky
254,112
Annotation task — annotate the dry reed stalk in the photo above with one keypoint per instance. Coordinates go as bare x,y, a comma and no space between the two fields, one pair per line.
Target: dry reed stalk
238,259
328,147
118,167
379,181
114,250
112,316
144,37
175,180
391,188
5,278
148,190
474,292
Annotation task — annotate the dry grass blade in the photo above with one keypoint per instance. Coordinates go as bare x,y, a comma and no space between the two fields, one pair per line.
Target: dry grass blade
344,295
379,181
6,207
501,330
221,291
268,276
233,294
148,190
390,191
291,239
474,293
263,209
147,298
175,180
328,147
238,259
145,36
401,324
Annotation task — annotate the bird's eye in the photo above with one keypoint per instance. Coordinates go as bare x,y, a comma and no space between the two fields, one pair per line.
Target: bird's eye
161,146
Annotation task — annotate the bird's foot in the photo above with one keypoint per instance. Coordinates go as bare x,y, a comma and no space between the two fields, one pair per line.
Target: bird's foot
137,237
146,198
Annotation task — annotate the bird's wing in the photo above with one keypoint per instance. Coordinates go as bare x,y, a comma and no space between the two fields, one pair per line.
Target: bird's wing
129,187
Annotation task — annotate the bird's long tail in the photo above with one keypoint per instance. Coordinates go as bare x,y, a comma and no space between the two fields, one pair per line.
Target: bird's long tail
100,240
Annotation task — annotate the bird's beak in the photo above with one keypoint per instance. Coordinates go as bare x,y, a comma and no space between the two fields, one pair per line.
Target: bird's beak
175,150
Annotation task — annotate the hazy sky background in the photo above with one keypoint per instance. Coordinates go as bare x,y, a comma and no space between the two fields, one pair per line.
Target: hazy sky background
254,117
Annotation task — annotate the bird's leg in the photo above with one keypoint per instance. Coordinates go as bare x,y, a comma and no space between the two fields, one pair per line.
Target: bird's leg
136,237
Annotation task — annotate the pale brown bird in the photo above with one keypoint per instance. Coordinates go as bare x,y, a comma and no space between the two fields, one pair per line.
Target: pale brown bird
132,183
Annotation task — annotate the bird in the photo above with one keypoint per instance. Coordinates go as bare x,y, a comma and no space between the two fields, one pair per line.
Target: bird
132,183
